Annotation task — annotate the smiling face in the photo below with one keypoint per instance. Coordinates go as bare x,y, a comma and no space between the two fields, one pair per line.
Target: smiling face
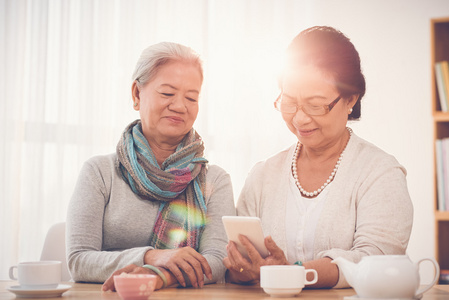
312,86
168,104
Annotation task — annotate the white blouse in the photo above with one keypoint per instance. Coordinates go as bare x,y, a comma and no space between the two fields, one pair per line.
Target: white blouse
301,219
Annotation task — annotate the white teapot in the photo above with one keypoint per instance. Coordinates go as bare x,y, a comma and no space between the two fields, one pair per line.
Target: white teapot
385,276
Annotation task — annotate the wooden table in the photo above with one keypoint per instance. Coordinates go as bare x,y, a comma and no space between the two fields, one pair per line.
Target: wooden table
212,291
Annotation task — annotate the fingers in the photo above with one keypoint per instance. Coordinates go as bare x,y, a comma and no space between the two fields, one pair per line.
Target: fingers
198,268
253,254
277,256
237,260
108,285
192,263
227,263
199,275
203,265
197,272
241,270
232,256
207,270
272,247
174,269
194,274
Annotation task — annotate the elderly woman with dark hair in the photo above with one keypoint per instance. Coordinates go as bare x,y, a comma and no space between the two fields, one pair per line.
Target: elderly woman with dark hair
155,205
332,194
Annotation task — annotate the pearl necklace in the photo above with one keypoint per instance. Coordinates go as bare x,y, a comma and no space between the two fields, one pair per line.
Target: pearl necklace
329,180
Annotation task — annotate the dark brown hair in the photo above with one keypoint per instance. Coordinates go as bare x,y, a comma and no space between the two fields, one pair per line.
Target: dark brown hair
330,50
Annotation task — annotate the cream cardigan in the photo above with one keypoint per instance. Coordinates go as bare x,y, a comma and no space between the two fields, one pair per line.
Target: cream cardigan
368,209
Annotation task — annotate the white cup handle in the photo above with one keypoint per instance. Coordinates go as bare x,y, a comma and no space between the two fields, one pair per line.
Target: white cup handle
315,276
11,272
437,275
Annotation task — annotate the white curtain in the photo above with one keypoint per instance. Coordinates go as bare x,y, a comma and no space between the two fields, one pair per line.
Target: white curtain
65,92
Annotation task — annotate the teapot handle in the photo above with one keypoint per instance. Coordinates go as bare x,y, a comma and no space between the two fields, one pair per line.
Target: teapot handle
419,293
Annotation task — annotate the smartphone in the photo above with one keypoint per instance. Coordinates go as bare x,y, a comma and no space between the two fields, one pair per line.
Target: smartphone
251,227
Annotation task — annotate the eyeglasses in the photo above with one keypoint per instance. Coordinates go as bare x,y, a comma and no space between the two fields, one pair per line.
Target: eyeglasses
312,110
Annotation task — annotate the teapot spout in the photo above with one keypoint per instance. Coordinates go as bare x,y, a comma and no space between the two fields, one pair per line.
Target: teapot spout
348,269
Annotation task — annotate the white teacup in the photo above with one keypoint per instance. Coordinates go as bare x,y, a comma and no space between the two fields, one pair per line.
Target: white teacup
37,274
285,280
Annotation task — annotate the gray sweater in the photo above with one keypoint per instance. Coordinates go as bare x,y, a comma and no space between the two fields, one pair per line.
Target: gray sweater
368,210
109,227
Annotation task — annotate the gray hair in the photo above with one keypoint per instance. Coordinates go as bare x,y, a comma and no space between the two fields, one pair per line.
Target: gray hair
157,55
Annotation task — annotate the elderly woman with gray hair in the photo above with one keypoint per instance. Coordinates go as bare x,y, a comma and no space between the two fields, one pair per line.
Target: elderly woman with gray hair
154,206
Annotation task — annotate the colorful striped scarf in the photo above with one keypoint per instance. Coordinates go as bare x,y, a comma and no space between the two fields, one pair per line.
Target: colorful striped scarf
179,184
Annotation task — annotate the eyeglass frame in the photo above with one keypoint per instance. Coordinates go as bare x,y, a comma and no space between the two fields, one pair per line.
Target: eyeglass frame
327,107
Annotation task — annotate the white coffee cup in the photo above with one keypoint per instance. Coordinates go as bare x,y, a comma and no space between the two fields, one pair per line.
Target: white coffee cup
37,274
285,280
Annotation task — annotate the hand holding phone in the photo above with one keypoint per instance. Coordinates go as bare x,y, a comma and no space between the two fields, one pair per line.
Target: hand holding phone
251,227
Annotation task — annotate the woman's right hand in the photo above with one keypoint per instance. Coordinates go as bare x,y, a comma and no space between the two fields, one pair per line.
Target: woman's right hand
247,271
184,259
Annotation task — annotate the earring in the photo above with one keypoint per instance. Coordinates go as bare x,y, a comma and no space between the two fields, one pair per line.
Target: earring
135,104
350,111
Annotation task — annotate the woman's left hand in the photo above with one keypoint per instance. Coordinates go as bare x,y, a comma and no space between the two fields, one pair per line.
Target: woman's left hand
108,285
244,270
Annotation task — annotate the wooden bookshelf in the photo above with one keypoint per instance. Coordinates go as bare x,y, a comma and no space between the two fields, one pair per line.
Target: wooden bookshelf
442,215
439,52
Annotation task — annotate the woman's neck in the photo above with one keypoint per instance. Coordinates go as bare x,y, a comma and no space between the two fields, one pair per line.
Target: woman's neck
161,150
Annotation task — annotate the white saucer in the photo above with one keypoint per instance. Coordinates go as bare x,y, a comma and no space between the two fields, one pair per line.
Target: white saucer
34,293
356,297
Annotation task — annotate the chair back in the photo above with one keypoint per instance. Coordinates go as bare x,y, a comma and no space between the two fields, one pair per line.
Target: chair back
54,248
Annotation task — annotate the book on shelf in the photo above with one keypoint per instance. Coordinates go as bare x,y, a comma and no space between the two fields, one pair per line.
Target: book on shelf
445,72
442,81
440,174
442,170
445,150
444,276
